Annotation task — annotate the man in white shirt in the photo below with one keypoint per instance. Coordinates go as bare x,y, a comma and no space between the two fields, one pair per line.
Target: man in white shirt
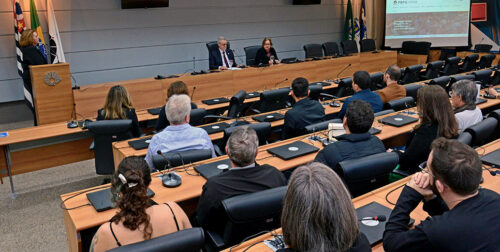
222,58
463,98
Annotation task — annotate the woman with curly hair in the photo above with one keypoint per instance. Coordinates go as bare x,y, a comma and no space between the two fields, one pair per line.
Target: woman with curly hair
136,220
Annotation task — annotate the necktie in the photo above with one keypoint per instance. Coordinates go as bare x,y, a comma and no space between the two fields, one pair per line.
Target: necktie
225,59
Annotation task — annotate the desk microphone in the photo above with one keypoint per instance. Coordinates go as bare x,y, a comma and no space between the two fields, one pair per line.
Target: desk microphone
192,93
194,64
279,82
380,218
337,78
72,124
75,86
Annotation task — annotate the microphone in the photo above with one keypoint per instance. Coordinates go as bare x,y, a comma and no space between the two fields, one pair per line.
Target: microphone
192,93
279,82
492,173
75,86
337,78
72,124
194,64
380,218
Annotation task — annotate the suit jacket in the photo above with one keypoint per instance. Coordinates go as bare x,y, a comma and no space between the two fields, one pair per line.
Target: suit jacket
304,112
31,56
232,183
261,56
215,59
162,121
130,114
418,147
392,92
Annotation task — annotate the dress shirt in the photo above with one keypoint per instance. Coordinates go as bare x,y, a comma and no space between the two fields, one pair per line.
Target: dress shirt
365,95
178,138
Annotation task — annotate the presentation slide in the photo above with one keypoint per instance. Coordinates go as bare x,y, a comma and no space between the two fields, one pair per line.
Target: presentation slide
441,22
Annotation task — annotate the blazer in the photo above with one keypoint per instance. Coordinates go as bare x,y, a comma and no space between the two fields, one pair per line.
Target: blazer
304,112
162,121
392,92
261,56
31,56
215,59
418,147
130,114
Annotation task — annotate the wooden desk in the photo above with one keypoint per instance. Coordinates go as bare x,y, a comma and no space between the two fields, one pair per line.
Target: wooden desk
405,60
378,195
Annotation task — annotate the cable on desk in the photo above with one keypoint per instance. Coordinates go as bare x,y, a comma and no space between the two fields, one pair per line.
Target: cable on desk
80,193
391,191
252,245
251,237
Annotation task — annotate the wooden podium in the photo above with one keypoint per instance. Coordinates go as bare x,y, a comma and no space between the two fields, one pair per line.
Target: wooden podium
52,93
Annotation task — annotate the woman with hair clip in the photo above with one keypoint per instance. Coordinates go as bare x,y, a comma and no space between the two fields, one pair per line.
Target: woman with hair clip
176,88
318,214
118,106
137,220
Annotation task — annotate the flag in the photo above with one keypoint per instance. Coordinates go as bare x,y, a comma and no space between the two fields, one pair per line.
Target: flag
56,50
19,27
349,23
35,25
362,21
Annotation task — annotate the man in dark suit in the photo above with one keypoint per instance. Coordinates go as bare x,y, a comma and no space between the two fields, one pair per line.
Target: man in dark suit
361,86
244,177
304,112
222,57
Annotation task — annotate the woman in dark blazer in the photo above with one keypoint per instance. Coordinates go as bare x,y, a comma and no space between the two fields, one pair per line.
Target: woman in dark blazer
175,88
265,53
118,106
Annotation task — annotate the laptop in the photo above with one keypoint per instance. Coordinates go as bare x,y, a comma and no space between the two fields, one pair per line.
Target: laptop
322,83
140,144
252,95
289,60
492,158
101,200
269,117
480,100
215,101
154,111
214,128
293,150
398,120
213,169
374,230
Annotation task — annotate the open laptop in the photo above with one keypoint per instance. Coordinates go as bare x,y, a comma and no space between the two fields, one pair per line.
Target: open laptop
492,158
398,120
213,169
140,144
252,95
215,101
374,230
293,150
480,100
101,200
154,111
269,117
214,128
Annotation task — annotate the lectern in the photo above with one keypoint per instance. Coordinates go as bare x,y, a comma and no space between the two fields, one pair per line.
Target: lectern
52,93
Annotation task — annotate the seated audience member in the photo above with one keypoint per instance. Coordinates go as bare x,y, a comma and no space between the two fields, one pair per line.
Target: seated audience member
393,91
222,57
118,105
357,142
492,91
361,86
463,98
177,88
244,176
136,220
265,53
179,136
318,214
464,216
436,120
304,112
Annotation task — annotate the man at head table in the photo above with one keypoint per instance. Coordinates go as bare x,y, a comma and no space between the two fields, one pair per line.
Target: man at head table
221,58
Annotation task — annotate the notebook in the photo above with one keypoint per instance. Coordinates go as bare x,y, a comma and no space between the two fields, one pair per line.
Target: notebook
101,200
269,117
214,128
140,144
398,120
213,169
492,158
374,230
154,111
293,150
252,95
215,101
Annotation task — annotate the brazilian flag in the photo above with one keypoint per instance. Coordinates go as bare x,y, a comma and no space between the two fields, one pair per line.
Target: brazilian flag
35,25
349,23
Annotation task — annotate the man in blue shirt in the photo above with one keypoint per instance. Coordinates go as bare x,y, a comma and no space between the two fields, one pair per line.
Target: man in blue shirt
179,136
361,87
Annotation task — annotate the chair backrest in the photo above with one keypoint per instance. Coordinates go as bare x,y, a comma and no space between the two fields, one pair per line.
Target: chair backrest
442,81
263,129
408,47
345,87
276,99
411,74
482,131
465,138
105,132
496,114
495,80
331,49
422,48
187,240
456,78
367,173
313,50
412,90
484,48
367,45
178,158
451,65
197,116
212,45
236,104
315,91
349,47
469,63
483,76
250,53
384,112
433,69
486,61
377,81
321,125
401,104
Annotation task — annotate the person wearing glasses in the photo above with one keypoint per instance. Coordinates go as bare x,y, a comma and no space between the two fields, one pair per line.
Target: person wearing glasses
266,55
463,99
464,216
222,58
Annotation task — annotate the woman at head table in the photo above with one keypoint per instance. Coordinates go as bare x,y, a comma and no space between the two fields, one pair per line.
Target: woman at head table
266,55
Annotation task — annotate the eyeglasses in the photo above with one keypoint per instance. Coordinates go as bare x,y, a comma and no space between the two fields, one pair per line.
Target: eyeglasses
423,167
223,44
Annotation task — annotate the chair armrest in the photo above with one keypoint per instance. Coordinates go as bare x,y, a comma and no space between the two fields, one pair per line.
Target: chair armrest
328,95
256,111
214,239
218,151
92,145
401,173
217,117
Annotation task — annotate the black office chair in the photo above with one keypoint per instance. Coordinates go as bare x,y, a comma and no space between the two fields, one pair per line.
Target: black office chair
482,48
481,132
422,48
367,173
377,81
411,74
470,63
495,80
315,91
331,49
407,47
451,66
432,70
400,104
236,107
263,130
465,138
412,90
177,158
214,46
197,116
273,100
349,47
187,240
483,76
345,87
442,81
486,61
246,215
313,51
315,127
456,78
367,45
106,132
496,114
384,112
250,53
